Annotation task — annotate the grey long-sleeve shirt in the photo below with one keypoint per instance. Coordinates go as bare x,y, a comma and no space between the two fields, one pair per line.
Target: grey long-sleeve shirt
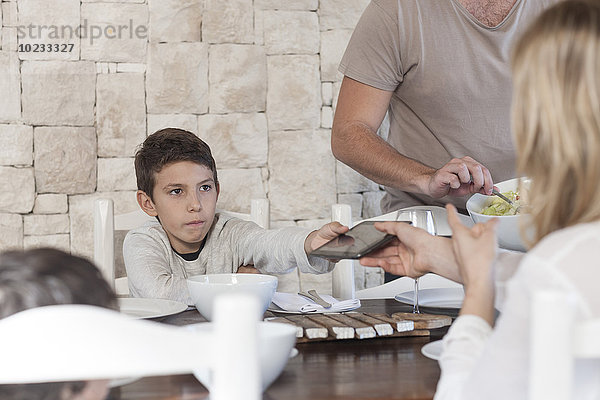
154,270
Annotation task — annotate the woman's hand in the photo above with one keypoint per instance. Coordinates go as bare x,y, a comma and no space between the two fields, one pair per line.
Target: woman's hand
475,251
406,255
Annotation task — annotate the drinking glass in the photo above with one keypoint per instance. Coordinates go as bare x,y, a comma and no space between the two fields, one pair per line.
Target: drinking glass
421,219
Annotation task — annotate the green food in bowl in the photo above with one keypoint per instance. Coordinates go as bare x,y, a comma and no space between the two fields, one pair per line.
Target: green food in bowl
500,207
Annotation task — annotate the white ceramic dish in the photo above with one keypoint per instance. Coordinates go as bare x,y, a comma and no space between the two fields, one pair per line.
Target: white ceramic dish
432,350
142,308
439,298
508,230
275,347
122,381
205,288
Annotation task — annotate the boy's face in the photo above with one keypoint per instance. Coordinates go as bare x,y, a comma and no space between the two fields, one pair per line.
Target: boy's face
184,199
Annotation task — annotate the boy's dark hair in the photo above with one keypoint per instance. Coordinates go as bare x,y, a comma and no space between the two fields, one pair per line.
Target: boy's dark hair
42,277
167,146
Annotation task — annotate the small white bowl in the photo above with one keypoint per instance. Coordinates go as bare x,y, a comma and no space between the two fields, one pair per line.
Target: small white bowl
275,344
205,288
508,230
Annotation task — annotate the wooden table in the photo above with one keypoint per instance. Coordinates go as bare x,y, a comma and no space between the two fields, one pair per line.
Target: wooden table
381,368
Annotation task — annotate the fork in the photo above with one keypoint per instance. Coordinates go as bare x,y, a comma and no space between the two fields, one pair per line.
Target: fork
503,197
314,296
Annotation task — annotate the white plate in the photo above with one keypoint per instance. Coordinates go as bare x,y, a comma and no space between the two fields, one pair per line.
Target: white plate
440,297
150,308
294,352
432,350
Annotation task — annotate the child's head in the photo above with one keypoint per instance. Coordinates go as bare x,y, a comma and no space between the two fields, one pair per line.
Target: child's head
43,277
165,147
177,183
556,117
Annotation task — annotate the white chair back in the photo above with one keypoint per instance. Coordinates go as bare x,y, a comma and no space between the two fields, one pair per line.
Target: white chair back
82,342
557,340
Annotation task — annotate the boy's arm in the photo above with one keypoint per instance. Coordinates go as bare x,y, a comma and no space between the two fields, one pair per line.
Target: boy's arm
149,272
274,250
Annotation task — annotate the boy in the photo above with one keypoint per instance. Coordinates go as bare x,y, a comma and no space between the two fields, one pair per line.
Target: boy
177,184
43,277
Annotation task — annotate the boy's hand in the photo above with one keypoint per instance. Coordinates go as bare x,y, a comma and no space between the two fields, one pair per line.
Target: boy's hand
327,232
247,269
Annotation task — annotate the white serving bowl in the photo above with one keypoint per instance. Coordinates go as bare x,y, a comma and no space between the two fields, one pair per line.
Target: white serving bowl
204,289
275,344
508,231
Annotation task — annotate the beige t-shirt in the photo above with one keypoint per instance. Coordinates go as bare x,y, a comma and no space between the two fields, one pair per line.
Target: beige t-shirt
451,81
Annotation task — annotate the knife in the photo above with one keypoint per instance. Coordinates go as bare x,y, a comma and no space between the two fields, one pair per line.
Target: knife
314,296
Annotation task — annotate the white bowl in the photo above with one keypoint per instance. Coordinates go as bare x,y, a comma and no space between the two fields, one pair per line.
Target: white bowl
205,288
275,344
508,231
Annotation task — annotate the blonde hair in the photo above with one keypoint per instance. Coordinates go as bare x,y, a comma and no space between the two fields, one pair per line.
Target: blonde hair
556,115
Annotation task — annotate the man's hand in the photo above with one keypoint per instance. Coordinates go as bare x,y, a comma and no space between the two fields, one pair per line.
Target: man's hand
327,232
459,177
247,269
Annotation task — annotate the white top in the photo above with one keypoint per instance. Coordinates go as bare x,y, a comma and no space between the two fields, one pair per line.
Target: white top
154,270
480,363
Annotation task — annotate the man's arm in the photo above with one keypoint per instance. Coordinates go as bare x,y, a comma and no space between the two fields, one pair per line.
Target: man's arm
354,141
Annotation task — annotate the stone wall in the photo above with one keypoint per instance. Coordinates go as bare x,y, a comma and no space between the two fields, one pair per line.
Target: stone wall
255,79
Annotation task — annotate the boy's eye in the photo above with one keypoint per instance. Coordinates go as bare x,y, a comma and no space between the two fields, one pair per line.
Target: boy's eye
205,188
175,191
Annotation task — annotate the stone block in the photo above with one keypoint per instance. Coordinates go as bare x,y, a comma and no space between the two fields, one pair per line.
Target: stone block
259,27
116,174
236,140
81,215
59,92
301,166
51,203
10,86
9,39
350,181
9,13
238,78
45,224
355,201
228,21
16,142
113,1
187,122
327,93
117,32
175,20
326,117
61,242
371,204
55,23
120,114
131,67
65,159
11,226
291,32
340,14
294,92
238,187
310,5
177,78
18,195
333,45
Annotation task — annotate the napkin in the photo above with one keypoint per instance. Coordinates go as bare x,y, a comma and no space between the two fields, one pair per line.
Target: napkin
296,303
